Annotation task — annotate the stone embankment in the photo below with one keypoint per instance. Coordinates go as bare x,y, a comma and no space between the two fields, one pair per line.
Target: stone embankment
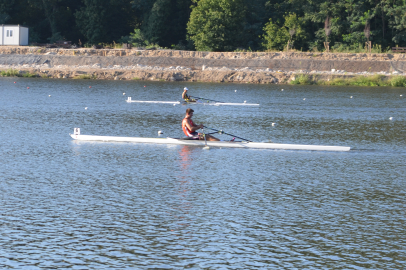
170,65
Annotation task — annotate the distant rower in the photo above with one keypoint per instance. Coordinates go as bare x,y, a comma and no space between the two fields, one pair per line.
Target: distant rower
189,128
186,97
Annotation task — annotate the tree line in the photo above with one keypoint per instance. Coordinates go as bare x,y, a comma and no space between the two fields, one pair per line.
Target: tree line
214,25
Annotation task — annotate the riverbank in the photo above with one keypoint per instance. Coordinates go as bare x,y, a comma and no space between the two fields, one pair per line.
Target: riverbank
170,65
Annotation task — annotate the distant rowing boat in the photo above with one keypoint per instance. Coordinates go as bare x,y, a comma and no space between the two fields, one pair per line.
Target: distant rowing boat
129,100
187,141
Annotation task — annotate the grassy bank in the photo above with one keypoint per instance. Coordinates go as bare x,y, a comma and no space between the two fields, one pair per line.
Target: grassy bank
373,80
302,79
16,73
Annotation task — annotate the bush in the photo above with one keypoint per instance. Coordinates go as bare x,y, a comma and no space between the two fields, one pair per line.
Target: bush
29,75
83,77
375,80
397,81
335,81
10,73
301,79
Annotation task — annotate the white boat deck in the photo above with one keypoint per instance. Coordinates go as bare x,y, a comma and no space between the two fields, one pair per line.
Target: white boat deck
239,144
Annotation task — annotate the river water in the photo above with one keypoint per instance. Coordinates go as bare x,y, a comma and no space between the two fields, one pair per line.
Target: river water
89,205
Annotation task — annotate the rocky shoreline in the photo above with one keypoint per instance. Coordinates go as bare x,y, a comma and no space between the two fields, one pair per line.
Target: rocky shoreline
170,65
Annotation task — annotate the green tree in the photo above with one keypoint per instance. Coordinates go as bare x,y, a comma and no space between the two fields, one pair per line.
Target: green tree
48,20
6,8
51,10
103,21
396,10
216,25
166,23
357,25
277,36
256,15
137,39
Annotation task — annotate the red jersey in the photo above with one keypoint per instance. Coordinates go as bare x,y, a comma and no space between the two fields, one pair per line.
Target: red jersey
188,132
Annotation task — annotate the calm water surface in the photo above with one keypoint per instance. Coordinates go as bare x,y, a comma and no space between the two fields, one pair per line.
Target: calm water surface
88,205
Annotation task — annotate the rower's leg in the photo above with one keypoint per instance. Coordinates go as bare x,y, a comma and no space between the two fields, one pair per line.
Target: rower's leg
211,138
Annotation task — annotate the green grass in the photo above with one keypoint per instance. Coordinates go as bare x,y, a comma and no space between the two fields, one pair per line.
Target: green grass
10,73
15,73
83,77
335,81
302,79
397,81
374,80
136,79
29,75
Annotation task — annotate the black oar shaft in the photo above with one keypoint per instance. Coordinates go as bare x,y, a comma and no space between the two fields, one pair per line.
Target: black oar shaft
207,99
222,132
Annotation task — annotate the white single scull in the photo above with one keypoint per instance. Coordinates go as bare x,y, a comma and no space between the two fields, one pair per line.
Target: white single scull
185,141
129,100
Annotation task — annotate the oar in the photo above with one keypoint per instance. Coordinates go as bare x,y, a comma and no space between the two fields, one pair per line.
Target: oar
222,132
207,99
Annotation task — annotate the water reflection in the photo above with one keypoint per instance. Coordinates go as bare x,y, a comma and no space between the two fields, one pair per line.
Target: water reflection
184,187
185,154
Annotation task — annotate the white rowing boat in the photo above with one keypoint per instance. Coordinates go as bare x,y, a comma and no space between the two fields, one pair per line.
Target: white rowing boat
187,141
129,100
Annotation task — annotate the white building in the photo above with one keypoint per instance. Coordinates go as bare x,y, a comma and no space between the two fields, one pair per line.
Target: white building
13,35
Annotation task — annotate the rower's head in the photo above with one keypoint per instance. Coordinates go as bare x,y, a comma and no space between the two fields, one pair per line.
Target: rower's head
185,89
189,112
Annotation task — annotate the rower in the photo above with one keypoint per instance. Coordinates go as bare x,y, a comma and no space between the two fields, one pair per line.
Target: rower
189,128
186,97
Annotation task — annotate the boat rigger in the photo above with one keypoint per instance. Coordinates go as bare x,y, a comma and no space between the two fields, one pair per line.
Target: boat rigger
187,141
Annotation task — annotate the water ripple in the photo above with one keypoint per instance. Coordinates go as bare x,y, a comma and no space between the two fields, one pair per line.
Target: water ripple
70,205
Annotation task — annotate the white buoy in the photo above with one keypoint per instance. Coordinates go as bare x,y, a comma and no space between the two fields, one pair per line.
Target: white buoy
174,104
304,99
273,124
390,118
235,90
85,108
245,101
160,132
206,147
350,96
123,94
282,90
49,95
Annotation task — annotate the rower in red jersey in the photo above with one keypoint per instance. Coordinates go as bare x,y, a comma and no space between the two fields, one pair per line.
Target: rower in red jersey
190,128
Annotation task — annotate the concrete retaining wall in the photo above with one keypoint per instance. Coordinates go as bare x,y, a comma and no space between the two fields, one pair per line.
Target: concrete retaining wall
257,67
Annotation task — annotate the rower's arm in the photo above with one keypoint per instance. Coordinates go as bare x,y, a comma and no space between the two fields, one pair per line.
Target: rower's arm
190,127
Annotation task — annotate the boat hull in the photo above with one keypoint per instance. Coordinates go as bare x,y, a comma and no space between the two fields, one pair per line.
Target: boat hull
151,101
257,145
129,100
